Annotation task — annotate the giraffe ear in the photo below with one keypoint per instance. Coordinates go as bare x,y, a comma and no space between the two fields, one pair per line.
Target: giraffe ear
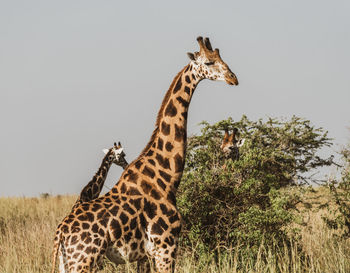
226,134
231,137
191,56
241,142
119,151
105,151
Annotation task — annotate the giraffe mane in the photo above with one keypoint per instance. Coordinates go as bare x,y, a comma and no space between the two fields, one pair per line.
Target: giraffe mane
160,113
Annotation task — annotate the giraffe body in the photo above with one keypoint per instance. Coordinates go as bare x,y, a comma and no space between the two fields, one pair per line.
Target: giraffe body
137,220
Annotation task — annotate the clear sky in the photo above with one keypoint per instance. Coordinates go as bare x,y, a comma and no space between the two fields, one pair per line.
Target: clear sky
75,76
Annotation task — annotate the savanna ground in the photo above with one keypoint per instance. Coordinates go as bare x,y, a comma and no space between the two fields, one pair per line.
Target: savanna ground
27,227
254,214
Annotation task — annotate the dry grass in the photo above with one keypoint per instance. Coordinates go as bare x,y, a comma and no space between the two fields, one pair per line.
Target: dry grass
27,227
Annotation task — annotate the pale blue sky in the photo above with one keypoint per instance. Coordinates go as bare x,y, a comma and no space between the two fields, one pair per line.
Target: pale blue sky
75,76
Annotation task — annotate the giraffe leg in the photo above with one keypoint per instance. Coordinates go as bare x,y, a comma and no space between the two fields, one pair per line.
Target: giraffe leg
165,264
87,260
63,265
164,257
100,264
144,266
86,266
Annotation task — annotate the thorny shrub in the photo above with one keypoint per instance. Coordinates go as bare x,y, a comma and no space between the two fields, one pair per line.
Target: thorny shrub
248,200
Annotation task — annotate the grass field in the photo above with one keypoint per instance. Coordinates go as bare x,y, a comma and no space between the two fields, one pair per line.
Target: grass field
27,226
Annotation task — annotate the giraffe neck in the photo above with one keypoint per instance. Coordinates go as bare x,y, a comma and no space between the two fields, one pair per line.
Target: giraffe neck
162,161
93,189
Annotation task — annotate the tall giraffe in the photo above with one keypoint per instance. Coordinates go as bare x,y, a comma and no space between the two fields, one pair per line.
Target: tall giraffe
93,189
137,220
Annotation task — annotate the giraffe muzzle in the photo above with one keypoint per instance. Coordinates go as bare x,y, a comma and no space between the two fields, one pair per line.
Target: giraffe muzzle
231,79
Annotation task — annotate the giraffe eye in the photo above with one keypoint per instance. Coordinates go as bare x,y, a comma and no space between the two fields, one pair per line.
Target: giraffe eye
209,63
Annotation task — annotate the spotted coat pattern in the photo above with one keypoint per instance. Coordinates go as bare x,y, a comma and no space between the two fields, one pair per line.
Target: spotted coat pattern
93,189
137,220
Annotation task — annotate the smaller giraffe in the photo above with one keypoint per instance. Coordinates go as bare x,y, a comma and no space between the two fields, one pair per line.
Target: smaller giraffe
230,145
93,189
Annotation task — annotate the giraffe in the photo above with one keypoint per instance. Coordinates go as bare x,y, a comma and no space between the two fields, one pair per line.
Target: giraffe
138,220
92,190
230,144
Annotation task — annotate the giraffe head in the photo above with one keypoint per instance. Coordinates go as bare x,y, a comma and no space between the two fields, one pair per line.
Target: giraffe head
230,144
116,155
209,65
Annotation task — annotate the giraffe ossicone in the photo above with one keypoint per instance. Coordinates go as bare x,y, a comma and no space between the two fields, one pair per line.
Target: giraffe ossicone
138,220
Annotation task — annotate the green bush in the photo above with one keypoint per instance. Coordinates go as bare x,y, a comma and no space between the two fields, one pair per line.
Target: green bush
250,199
341,195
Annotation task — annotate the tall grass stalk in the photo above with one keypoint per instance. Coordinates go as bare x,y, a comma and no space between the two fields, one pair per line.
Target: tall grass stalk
27,226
